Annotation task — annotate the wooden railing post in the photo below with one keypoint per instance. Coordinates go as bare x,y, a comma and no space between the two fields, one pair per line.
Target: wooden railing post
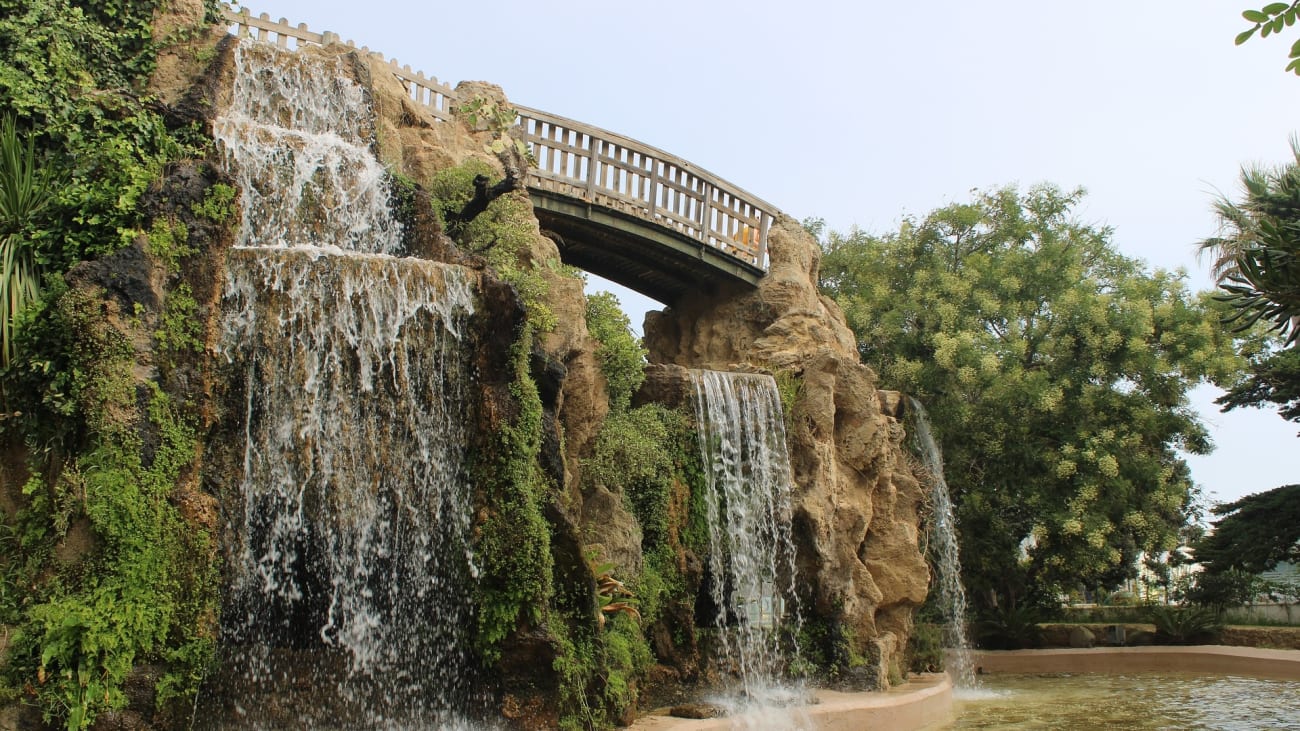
706,221
594,145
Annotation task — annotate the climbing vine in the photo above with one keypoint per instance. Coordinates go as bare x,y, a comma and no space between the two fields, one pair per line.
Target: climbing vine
103,573
513,549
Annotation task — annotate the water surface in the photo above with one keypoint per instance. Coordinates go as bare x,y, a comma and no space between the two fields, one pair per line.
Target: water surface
1131,701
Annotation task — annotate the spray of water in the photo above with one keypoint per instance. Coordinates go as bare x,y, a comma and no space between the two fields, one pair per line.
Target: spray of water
350,539
951,592
751,554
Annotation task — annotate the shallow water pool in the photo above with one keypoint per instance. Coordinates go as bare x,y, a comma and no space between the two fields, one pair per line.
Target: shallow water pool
1130,701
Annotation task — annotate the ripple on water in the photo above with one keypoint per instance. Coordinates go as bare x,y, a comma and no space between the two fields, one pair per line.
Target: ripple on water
1131,701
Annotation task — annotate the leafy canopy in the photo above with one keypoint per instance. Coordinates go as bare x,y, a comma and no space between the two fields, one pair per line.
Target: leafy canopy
1257,250
1055,371
1272,378
1271,19
1254,533
622,359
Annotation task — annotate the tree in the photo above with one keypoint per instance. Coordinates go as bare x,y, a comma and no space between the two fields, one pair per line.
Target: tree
1254,533
1257,252
1269,20
1272,378
1055,371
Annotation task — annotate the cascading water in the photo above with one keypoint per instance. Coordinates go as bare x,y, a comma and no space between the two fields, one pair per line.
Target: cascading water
951,592
349,554
751,563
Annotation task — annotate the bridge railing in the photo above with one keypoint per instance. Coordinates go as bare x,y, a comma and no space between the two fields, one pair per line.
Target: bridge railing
580,161
607,169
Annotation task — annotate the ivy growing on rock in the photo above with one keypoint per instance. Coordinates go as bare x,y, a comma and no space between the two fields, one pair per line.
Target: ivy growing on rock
104,574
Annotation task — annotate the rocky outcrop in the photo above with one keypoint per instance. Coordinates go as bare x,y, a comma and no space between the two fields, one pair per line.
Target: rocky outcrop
857,512
857,502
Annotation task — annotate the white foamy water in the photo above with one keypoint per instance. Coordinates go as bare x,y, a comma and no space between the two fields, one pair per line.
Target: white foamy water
952,593
349,556
751,553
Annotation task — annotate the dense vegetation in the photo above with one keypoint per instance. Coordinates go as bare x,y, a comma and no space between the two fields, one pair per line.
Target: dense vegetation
1255,533
1055,371
100,573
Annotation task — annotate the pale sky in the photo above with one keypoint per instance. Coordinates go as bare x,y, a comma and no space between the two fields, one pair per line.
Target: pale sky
861,112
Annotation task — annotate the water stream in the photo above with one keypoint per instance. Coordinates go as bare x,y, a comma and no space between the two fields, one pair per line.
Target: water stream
751,554
952,594
350,549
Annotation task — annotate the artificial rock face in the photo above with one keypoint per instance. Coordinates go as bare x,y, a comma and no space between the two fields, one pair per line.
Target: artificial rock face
857,504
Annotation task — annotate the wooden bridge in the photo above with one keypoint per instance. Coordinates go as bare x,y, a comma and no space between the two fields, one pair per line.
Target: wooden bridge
619,208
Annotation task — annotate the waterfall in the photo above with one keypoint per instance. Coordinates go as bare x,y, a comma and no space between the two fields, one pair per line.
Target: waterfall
952,594
751,562
349,539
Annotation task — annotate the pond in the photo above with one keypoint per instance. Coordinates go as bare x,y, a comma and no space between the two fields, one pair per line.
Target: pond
1128,701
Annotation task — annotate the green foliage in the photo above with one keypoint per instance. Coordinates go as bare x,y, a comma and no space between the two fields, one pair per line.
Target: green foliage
648,455
599,668
107,453
1253,533
925,648
498,120
24,193
1184,625
1273,377
1223,589
71,72
80,640
218,204
513,544
1269,20
504,233
1055,371
622,359
168,241
1257,253
1009,628
179,328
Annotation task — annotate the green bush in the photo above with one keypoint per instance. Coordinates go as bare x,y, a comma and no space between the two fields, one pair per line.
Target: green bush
925,648
622,359
1012,628
1219,591
1185,625
504,234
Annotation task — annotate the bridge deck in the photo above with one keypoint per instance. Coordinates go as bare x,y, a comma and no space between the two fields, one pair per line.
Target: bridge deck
622,209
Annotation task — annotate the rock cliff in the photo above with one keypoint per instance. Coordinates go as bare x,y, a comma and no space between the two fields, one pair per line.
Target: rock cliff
858,504
574,494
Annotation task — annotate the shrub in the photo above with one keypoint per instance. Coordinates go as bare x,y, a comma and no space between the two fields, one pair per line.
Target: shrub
1012,628
622,359
925,648
1184,625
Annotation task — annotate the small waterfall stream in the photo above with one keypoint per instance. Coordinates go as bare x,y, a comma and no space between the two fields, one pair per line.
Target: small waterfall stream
348,605
951,592
751,553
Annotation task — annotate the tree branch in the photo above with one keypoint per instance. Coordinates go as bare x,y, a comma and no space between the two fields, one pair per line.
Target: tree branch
483,196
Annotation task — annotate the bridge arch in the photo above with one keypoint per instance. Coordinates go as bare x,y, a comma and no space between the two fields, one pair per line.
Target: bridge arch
618,208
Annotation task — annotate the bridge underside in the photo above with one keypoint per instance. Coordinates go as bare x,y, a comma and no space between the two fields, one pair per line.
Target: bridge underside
642,256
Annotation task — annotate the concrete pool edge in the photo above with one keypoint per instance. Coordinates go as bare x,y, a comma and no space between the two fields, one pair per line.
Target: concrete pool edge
923,702
1217,659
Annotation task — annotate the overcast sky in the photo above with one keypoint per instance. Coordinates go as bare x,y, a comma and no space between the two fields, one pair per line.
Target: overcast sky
861,112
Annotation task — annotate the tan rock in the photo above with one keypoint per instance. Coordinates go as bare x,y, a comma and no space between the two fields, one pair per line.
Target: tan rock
857,505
